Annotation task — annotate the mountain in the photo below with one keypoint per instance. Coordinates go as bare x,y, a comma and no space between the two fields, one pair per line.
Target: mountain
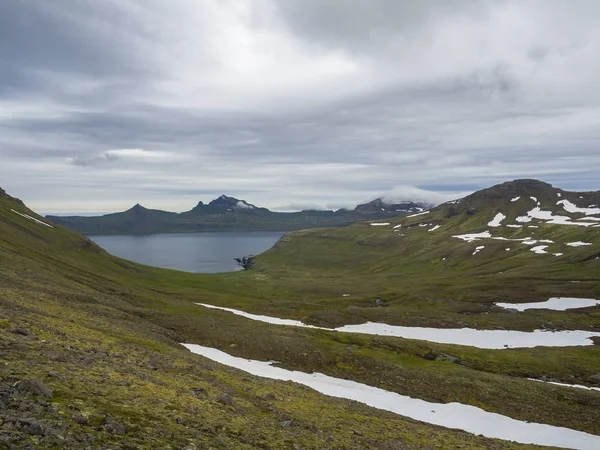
91,355
378,206
508,221
228,214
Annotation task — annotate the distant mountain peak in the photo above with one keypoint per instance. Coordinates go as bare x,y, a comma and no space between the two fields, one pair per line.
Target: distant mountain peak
137,208
381,206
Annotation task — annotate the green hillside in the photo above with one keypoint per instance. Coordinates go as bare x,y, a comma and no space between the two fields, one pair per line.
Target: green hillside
103,334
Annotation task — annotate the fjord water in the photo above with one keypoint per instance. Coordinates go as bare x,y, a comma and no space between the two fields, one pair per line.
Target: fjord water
209,252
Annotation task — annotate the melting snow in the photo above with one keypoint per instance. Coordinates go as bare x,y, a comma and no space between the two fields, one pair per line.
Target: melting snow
382,224
572,208
523,219
578,244
537,213
540,249
419,214
555,304
478,249
452,415
515,199
434,228
493,339
578,386
27,216
474,236
497,221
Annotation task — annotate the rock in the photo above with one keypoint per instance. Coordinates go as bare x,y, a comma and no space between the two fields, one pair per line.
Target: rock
34,386
379,302
80,419
445,357
31,426
198,392
112,427
288,423
56,375
357,432
225,399
511,310
21,331
269,396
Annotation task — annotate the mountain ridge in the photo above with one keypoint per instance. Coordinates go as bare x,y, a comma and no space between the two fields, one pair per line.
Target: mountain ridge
226,213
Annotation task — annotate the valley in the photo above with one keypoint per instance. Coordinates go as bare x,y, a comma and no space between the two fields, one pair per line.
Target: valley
110,331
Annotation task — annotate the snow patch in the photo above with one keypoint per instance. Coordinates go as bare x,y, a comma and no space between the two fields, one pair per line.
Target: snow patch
555,304
540,249
419,214
497,221
478,249
537,213
523,219
491,339
434,228
576,386
474,236
572,208
396,227
514,226
27,216
578,244
380,224
516,199
451,415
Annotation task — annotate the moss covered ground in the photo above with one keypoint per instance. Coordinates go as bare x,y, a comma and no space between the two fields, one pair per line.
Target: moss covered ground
104,335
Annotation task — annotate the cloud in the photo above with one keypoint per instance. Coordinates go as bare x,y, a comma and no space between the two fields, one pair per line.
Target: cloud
411,193
106,104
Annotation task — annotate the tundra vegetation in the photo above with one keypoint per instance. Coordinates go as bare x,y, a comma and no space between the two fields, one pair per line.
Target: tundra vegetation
90,344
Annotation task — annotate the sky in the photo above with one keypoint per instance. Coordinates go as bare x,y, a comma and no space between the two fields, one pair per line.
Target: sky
293,104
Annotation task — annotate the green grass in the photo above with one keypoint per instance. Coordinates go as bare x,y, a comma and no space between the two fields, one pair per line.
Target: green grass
113,329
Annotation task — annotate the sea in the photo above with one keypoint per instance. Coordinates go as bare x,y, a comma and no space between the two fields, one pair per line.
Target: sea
210,252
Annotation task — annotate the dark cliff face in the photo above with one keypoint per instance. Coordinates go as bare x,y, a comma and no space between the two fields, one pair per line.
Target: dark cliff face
378,206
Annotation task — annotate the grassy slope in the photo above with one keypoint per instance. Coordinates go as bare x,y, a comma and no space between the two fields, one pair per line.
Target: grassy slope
131,314
77,319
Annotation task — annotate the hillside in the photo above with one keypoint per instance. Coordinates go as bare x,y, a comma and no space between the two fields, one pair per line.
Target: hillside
103,334
228,214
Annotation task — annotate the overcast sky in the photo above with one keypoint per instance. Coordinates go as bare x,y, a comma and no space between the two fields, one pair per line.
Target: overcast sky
293,103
